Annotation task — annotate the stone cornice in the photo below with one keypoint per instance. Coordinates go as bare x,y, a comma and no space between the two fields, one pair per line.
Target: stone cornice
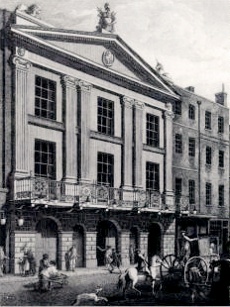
45,123
153,149
103,137
69,81
21,63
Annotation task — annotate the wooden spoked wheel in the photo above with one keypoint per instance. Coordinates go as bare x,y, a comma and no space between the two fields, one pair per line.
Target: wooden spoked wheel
196,271
171,268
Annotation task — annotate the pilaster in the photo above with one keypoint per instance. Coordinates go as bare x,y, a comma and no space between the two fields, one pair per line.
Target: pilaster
138,143
168,188
84,89
70,140
90,255
127,133
21,127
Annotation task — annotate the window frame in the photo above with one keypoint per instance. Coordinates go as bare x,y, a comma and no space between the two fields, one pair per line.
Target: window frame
220,124
178,143
105,123
152,130
192,191
191,147
221,158
45,98
177,107
208,159
106,162
221,192
152,177
192,112
208,120
208,194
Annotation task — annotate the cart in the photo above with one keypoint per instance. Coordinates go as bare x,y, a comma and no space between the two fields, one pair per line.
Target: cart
196,273
53,282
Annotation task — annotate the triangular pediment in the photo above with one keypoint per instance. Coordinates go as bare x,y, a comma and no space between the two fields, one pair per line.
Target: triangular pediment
102,51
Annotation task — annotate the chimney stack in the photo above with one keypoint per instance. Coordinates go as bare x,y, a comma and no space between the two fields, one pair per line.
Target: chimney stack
221,97
190,89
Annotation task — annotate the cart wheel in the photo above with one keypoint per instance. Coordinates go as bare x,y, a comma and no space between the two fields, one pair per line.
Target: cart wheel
196,271
171,268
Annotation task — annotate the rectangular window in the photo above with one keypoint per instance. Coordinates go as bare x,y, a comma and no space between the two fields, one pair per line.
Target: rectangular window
221,195
192,147
208,120
45,98
191,187
152,130
220,124
105,169
45,159
152,176
208,155
105,116
178,143
208,194
178,189
177,107
221,158
191,111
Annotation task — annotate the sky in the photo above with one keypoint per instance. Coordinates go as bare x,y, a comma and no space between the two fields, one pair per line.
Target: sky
190,38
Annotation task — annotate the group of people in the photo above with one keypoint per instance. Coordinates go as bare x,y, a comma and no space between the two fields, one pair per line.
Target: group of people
27,262
70,258
112,258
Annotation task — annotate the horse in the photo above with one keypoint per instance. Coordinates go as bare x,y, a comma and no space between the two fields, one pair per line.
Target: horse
130,277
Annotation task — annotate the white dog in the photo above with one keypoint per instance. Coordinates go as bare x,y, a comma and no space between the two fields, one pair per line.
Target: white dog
89,297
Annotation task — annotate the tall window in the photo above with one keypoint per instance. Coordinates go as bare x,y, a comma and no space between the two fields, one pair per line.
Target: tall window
45,98
177,107
178,189
192,147
45,159
191,187
105,169
105,116
208,194
152,130
191,111
220,124
221,158
221,195
208,120
208,155
178,143
152,176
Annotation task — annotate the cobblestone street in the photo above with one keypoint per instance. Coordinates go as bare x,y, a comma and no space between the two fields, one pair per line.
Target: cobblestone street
15,290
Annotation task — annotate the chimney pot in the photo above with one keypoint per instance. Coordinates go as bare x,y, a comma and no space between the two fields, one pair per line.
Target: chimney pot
221,98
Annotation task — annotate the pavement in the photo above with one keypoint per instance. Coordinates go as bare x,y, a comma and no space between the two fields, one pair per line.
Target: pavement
77,272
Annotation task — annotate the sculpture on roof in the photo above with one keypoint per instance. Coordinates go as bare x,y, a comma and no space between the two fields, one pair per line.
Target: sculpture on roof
32,10
107,19
160,69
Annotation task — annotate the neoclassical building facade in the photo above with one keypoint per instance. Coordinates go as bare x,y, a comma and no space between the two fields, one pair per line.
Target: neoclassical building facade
86,129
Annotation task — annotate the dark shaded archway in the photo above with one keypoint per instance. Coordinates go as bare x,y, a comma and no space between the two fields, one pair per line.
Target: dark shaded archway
107,235
154,240
46,239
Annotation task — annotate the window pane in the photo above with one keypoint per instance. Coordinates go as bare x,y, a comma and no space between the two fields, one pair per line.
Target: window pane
105,116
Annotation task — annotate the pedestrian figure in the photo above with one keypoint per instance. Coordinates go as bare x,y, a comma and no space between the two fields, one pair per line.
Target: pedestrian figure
32,262
72,257
131,254
2,261
140,262
190,247
67,265
108,257
155,271
220,289
116,263
26,261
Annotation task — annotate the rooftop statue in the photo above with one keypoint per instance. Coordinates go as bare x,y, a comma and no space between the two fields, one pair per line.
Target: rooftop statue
160,69
107,19
32,10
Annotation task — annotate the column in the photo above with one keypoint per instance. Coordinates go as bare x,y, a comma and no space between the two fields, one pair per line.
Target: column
144,243
91,252
127,133
70,139
138,143
21,127
168,179
65,239
84,96
124,248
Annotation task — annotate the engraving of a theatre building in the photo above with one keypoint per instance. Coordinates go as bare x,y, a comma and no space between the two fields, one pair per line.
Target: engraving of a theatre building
87,145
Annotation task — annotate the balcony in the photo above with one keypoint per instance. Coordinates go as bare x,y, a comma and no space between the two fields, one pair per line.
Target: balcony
59,193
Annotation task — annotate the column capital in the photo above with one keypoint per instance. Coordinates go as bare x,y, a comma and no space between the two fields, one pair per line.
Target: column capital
84,86
127,102
139,104
69,81
21,63
168,113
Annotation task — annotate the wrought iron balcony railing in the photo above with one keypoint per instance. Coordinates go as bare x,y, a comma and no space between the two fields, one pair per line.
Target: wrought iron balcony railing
36,188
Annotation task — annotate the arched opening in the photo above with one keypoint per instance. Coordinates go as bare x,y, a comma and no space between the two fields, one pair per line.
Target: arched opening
154,240
78,242
107,235
133,243
46,240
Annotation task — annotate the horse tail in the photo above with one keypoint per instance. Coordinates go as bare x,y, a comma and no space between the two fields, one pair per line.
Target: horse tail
121,280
